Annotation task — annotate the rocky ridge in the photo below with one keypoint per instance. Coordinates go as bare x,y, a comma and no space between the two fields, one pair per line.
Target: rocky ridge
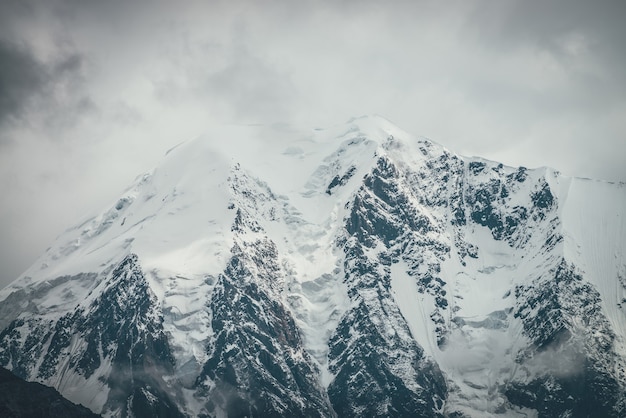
387,276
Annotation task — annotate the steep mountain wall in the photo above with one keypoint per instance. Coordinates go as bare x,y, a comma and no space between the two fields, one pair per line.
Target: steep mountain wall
354,271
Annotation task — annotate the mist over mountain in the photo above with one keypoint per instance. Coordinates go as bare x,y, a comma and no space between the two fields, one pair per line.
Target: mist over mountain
350,271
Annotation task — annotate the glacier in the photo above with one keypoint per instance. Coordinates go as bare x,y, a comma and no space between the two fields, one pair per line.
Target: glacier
355,270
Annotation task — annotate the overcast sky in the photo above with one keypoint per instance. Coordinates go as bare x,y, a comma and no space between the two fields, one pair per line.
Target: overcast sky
92,93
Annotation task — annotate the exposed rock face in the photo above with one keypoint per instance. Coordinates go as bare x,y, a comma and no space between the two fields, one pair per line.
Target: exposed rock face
361,273
257,365
380,369
121,329
571,368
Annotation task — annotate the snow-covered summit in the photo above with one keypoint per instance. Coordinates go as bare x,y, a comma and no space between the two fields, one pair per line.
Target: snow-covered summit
355,270
181,202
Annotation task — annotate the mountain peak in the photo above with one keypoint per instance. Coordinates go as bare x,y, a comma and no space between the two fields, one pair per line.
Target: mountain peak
355,270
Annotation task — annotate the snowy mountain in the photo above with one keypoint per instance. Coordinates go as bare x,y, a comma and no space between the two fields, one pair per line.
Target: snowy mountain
351,271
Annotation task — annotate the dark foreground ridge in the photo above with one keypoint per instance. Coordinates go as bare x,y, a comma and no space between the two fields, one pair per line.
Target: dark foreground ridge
21,399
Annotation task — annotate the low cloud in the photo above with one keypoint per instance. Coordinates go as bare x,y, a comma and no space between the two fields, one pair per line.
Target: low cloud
22,79
90,85
36,94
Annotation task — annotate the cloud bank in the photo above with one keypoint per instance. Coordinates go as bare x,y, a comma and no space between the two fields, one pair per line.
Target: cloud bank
93,93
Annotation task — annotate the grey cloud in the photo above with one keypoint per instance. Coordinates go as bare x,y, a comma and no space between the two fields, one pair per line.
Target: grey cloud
42,73
12,14
562,27
523,82
565,28
22,78
71,64
509,22
30,88
230,80
255,89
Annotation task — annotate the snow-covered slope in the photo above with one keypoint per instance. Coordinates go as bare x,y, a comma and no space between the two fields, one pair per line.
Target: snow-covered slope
350,271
